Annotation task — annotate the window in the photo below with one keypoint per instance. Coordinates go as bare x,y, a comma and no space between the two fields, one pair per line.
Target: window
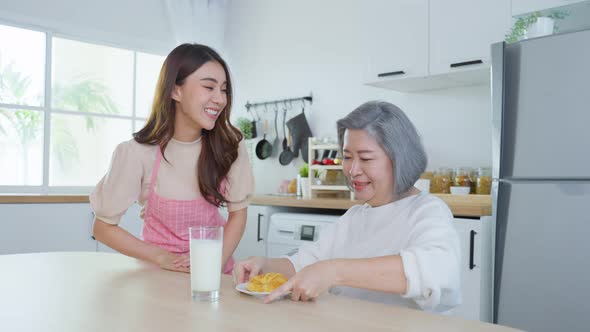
64,107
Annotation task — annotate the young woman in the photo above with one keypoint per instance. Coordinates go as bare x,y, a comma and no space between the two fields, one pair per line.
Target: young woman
180,167
400,247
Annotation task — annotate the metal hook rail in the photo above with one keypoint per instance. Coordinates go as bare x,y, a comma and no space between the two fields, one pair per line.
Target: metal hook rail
278,101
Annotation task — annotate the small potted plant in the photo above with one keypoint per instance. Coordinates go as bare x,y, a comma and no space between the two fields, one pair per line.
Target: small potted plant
304,173
535,25
245,127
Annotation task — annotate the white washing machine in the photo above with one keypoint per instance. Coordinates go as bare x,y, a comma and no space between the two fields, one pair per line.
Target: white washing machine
287,231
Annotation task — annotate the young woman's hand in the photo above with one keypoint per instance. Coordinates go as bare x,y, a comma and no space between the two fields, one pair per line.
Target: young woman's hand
247,269
183,261
309,283
173,262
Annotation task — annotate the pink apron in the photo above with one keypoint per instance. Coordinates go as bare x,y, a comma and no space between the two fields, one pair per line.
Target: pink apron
167,220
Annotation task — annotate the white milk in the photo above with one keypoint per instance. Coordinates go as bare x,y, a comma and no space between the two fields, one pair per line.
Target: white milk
205,265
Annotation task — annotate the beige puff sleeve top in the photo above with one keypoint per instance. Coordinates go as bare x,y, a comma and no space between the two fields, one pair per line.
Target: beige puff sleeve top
128,178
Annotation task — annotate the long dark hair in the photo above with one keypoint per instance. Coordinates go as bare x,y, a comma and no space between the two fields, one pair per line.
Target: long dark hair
219,145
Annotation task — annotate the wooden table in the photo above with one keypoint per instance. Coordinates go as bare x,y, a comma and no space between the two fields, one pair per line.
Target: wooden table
110,292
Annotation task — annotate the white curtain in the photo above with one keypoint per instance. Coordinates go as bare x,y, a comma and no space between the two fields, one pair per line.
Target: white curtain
197,21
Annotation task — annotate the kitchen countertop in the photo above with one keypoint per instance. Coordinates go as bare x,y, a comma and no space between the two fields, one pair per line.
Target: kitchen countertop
86,291
461,205
35,198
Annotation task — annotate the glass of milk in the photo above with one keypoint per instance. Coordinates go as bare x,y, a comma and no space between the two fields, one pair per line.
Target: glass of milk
206,243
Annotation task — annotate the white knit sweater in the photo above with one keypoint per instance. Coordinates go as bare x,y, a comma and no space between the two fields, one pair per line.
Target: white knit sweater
418,228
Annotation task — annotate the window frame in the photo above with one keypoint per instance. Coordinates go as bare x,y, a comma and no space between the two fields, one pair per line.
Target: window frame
48,110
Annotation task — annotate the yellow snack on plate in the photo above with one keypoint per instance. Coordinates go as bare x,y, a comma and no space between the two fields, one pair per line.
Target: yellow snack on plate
267,282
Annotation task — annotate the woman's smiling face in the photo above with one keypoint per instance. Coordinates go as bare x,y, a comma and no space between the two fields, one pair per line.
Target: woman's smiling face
368,168
202,97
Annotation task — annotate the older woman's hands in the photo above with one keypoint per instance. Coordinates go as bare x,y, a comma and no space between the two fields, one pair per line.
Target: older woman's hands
309,283
247,269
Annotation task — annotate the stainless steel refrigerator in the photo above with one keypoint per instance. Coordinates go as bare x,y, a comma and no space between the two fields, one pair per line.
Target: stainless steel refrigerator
541,188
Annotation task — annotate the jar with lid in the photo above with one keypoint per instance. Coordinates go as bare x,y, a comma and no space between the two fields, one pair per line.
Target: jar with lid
441,181
483,181
462,177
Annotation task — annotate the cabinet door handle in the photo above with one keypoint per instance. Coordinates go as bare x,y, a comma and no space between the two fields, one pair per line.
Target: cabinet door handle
92,219
391,73
466,63
258,238
471,249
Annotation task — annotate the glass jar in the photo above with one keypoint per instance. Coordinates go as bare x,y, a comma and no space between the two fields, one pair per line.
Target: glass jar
441,181
462,177
473,180
483,181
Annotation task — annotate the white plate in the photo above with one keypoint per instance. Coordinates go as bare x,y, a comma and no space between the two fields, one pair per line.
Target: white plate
242,288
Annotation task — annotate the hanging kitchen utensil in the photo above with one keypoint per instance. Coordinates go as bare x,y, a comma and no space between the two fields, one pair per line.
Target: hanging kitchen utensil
254,121
286,156
300,134
264,148
257,123
276,143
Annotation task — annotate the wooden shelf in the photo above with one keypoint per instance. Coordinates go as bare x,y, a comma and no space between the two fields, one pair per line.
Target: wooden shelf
312,189
324,147
322,167
329,187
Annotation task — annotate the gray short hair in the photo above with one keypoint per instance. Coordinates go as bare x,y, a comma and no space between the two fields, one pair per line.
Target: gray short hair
395,133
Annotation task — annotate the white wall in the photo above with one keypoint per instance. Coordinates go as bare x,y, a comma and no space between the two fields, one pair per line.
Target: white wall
136,24
279,49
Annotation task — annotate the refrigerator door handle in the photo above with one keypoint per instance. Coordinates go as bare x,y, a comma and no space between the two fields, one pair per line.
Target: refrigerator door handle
471,249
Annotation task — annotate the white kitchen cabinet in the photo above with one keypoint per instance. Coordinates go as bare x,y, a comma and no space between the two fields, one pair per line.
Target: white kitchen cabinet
476,268
131,222
425,45
461,32
396,40
254,240
251,244
28,228
521,7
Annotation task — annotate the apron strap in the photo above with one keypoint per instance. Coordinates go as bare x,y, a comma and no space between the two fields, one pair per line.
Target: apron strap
155,170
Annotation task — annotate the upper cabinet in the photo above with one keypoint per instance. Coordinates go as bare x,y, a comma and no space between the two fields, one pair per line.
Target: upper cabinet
396,37
461,32
424,45
520,7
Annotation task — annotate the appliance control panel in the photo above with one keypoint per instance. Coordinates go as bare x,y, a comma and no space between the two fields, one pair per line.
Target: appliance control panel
307,233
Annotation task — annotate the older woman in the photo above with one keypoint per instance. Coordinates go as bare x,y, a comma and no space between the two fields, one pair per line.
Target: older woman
399,247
